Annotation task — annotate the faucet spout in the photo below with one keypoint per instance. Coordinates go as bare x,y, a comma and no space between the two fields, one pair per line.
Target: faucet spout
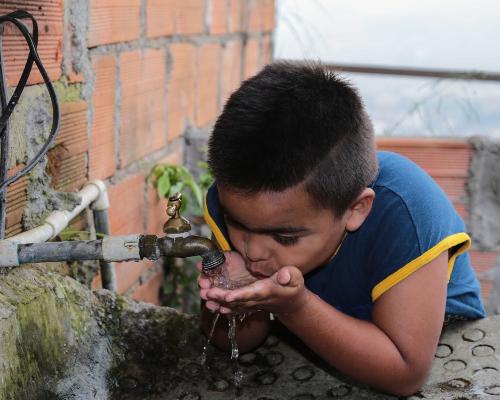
152,247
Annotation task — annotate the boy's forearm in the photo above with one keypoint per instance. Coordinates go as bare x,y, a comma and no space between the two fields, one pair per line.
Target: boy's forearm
357,348
249,334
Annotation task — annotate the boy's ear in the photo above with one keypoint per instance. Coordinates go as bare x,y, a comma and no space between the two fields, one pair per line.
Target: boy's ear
359,210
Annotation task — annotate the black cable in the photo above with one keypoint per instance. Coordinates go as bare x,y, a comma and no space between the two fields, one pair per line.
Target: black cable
33,57
3,98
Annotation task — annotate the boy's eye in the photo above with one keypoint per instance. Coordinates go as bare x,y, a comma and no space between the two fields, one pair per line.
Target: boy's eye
286,240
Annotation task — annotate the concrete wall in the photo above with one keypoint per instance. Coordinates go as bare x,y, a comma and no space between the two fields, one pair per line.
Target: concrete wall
132,77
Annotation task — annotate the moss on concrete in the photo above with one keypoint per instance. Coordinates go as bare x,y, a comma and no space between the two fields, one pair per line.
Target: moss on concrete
48,319
67,92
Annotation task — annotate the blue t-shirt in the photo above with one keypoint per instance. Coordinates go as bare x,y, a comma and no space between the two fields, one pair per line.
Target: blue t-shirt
410,224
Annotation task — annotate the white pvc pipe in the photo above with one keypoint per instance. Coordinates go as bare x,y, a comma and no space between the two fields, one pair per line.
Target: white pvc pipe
94,193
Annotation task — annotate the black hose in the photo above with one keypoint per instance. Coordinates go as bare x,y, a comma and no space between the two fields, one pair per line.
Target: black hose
32,42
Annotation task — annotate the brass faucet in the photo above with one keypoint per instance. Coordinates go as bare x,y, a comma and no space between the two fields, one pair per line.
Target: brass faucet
153,247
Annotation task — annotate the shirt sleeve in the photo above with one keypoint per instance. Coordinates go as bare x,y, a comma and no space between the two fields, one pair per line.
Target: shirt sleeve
409,235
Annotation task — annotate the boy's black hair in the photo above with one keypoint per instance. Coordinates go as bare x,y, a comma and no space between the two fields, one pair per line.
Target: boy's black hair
295,123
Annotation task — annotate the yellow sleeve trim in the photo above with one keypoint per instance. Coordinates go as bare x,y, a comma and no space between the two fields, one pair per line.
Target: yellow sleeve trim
219,236
402,273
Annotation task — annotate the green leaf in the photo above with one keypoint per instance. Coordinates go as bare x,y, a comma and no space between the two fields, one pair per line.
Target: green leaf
163,185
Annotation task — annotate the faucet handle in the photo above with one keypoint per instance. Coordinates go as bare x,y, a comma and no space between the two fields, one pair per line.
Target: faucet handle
175,224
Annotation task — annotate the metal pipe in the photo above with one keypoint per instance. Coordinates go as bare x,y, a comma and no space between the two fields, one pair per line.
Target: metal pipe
416,72
118,248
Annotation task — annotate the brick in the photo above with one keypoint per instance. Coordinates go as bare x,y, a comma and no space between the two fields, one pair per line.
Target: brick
269,23
231,69
169,17
208,83
181,88
255,15
49,15
447,161
251,58
126,214
67,163
128,273
113,21
483,261
17,197
218,17
438,157
142,114
235,15
102,159
149,291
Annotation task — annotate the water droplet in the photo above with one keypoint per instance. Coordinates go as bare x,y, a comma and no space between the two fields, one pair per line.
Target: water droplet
302,374
483,350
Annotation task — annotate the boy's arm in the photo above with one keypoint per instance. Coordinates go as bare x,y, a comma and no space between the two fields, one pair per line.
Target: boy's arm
394,352
249,334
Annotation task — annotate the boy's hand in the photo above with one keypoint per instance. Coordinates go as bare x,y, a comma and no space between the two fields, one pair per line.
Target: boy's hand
282,293
237,274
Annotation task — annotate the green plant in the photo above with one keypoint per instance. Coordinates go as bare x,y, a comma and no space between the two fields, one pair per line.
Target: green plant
169,179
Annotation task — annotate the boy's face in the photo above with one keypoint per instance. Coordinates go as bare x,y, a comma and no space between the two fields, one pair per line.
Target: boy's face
275,229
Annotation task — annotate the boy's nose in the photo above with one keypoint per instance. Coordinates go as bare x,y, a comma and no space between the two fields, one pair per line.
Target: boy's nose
255,249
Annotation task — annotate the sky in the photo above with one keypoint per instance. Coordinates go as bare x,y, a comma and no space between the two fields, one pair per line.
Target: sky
445,34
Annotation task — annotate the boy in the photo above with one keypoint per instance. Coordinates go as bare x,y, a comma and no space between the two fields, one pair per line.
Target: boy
358,253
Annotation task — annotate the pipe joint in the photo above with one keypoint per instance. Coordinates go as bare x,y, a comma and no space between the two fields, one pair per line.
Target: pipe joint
102,200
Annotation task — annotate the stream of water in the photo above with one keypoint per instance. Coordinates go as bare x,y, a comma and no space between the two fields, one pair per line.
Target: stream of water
220,278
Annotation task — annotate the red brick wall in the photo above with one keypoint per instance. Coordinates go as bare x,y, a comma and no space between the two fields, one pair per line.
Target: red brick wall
144,71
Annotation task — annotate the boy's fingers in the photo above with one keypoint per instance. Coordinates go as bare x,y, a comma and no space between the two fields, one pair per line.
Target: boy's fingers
203,294
212,305
289,276
283,277
204,283
216,293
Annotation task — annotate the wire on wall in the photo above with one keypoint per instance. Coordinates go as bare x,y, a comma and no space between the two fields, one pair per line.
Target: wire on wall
16,18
